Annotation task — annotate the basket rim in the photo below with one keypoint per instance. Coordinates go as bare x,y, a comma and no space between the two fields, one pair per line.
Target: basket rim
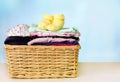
32,46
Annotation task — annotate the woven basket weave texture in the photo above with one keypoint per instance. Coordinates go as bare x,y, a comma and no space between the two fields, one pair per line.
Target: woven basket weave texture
42,61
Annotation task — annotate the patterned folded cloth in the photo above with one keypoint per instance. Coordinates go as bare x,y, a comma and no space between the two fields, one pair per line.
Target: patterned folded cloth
67,34
63,32
19,30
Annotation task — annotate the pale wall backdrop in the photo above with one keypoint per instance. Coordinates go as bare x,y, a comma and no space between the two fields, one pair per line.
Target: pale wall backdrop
97,20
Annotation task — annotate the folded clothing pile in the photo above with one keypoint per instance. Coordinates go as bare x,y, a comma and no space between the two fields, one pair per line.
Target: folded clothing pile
23,34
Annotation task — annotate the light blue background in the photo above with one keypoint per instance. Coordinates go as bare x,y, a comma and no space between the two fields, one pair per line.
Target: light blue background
97,20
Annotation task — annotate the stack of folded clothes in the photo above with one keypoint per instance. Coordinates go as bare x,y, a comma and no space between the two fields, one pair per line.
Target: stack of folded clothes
23,34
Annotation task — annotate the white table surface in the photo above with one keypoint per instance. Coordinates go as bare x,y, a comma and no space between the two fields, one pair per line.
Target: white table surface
88,72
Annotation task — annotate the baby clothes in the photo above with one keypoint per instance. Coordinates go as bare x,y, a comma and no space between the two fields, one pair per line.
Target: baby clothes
19,30
23,34
19,40
49,39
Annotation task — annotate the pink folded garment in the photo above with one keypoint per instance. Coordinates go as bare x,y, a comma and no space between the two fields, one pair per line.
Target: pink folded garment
49,39
77,34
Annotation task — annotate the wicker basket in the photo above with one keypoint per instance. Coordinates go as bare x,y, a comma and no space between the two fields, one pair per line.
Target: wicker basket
42,61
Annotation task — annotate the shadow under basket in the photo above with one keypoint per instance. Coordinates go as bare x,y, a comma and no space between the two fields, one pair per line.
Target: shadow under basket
42,61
